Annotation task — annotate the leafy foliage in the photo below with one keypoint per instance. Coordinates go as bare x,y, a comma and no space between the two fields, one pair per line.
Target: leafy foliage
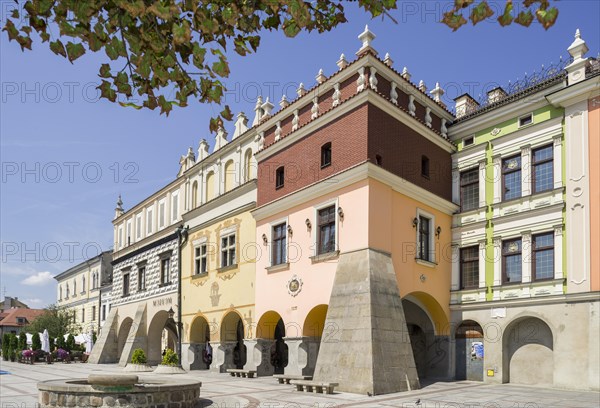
5,346
139,357
70,344
36,342
159,48
60,341
57,320
22,341
170,358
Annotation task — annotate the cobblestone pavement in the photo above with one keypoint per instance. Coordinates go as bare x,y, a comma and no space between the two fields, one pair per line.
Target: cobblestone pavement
18,390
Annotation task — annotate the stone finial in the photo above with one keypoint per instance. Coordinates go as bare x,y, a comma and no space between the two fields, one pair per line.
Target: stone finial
321,77
342,63
337,94
393,93
119,209
202,150
278,131
315,108
405,74
366,37
295,120
283,103
186,161
220,138
373,78
300,91
258,111
437,94
577,50
267,107
388,60
241,125
422,87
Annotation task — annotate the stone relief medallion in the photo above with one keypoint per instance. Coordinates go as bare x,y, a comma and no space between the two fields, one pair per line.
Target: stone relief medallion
513,247
512,164
495,131
294,285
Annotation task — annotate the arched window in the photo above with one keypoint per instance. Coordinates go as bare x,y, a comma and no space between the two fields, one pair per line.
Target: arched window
210,186
74,287
248,165
279,177
68,291
229,176
83,284
326,155
194,194
59,292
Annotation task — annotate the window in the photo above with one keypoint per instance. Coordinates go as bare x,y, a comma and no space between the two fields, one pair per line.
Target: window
469,267
103,312
93,313
141,278
59,292
126,284
468,141
194,194
511,177
511,261
82,285
526,120
210,186
425,166
128,232
326,219
543,256
228,250
20,320
248,165
161,214
83,315
200,260
279,177
543,169
74,288
138,226
424,244
230,173
469,189
326,155
378,160
278,249
165,264
68,292
149,221
174,206
120,237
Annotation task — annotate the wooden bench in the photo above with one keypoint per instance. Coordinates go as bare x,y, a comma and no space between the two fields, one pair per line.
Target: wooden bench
285,379
241,373
314,386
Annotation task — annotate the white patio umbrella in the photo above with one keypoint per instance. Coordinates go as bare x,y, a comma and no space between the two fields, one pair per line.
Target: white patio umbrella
29,338
46,341
80,338
89,342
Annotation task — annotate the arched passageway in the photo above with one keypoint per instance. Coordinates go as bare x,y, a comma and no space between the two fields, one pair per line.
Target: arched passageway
469,351
232,331
123,334
162,334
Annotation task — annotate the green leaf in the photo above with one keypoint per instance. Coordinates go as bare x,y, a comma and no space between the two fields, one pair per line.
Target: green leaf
221,67
290,28
481,12
453,20
105,71
107,92
58,48
226,113
506,18
524,18
547,17
182,34
11,30
74,51
199,54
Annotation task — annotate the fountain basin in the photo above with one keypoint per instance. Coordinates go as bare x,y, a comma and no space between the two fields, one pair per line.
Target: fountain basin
120,390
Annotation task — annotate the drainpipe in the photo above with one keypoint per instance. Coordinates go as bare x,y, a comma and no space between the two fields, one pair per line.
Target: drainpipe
182,235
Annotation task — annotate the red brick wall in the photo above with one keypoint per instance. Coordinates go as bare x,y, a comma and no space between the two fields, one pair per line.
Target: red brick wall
401,149
302,160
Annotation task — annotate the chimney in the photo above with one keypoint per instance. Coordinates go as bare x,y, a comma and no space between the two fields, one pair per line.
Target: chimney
464,105
496,94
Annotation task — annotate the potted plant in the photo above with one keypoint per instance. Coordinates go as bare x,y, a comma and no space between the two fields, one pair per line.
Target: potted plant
139,362
63,355
169,364
27,356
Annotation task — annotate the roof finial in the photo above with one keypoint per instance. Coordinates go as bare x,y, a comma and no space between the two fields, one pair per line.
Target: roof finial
388,60
577,34
405,74
366,37
321,77
300,91
342,63
283,102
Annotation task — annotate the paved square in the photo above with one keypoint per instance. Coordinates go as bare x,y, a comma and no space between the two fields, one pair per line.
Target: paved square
18,389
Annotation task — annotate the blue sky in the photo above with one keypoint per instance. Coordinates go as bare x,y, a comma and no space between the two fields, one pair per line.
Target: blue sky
66,155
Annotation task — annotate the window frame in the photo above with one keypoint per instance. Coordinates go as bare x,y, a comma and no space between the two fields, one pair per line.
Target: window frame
535,250
463,261
431,242
425,166
174,206
126,288
505,255
141,275
201,259
93,313
319,226
279,177
128,231
462,186
504,173
535,163
227,261
165,273
138,226
326,155
281,238
468,141
149,220
530,115
162,213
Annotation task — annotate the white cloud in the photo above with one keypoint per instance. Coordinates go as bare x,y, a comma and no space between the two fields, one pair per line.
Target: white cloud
34,301
39,279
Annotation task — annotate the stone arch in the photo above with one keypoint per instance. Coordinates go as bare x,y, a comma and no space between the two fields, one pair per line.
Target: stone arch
314,323
232,333
199,330
159,323
194,194
123,334
468,337
528,342
430,350
267,324
229,176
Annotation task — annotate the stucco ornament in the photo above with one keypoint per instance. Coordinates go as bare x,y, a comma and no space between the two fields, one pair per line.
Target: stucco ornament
495,131
294,285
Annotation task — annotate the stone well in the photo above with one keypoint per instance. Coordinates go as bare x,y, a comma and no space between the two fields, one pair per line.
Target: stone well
116,390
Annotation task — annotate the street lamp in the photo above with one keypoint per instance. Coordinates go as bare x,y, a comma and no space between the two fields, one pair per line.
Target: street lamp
171,313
